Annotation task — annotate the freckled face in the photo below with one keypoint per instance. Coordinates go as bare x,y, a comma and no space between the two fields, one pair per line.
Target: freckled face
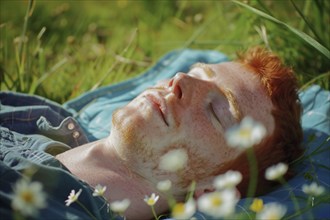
190,111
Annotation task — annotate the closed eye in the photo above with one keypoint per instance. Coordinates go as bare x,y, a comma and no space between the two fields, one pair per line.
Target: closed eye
215,114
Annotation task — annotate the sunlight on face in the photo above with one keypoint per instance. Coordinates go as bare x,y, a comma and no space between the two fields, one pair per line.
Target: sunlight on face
190,111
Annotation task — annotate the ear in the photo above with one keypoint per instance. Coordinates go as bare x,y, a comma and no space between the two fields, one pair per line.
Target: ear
202,187
201,192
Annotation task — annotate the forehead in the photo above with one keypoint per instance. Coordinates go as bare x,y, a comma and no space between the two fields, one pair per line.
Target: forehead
244,85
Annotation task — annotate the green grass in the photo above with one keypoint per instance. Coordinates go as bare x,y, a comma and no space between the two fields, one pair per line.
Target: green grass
64,48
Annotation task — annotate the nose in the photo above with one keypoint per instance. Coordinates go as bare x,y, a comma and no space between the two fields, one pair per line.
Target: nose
186,87
176,85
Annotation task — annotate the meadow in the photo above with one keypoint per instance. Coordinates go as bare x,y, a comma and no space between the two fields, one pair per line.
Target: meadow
59,49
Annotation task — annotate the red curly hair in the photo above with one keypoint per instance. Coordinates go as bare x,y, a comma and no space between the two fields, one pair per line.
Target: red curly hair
283,145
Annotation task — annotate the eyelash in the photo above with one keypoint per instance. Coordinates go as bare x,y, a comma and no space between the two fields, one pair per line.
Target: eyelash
214,114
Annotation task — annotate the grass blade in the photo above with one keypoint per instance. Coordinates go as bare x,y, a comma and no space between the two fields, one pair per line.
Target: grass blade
308,39
307,22
307,84
35,85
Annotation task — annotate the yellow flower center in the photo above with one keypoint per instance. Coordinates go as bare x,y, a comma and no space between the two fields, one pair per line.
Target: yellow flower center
27,197
178,209
151,202
245,133
216,201
257,205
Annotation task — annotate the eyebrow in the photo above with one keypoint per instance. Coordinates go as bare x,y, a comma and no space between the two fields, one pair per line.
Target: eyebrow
227,93
237,113
209,72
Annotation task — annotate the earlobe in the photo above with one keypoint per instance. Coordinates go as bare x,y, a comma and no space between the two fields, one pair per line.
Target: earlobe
204,186
201,191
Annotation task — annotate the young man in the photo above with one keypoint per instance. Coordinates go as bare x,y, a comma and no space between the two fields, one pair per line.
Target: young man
192,112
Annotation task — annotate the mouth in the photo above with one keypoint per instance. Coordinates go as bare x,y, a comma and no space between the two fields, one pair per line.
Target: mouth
159,105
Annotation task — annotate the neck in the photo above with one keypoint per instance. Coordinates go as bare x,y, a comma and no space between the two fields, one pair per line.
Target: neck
98,163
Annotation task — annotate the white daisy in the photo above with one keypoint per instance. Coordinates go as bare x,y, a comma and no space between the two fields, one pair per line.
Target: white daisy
245,135
120,206
273,211
164,185
152,199
28,197
184,210
219,203
276,171
228,180
313,189
72,197
173,160
99,190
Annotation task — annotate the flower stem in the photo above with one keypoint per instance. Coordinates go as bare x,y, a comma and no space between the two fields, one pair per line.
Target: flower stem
86,210
18,216
292,196
154,212
171,200
253,173
191,191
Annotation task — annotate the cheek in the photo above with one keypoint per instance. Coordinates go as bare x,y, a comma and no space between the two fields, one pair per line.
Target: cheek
207,147
131,140
194,120
201,133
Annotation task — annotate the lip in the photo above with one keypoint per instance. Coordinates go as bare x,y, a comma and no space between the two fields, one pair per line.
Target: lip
158,103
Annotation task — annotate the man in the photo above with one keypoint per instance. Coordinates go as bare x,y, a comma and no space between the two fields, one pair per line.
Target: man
192,112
